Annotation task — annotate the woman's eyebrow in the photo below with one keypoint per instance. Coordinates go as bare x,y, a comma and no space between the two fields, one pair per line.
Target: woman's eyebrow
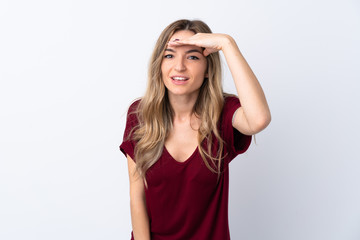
193,50
189,51
169,50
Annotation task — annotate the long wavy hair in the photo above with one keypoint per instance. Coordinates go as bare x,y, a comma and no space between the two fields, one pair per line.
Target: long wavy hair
155,113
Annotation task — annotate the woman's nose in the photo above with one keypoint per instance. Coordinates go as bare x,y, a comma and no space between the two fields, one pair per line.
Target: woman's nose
179,65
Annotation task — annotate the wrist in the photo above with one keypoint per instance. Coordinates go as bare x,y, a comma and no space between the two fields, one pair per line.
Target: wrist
228,42
229,45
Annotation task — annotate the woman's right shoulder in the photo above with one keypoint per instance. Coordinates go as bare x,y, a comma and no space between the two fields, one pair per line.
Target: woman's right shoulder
134,105
132,114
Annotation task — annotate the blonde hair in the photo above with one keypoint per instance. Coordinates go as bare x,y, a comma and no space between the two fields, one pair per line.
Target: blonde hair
155,113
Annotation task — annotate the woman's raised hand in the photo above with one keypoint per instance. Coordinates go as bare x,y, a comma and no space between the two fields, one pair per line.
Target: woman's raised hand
211,42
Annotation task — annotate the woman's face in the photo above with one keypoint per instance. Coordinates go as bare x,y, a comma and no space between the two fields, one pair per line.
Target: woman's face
183,67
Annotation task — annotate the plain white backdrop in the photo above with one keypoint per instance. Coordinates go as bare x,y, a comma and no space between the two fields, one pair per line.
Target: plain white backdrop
69,70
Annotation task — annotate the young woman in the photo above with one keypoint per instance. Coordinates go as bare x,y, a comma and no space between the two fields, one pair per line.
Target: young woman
181,136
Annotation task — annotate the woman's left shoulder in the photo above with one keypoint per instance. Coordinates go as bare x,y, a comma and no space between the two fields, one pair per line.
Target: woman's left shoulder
231,99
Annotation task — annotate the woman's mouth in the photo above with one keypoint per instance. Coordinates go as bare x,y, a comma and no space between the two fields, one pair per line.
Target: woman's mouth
179,80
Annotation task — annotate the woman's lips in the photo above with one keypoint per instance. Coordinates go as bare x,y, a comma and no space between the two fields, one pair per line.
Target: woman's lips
179,80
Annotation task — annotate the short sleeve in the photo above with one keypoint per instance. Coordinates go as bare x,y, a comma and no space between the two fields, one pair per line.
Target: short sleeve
235,141
128,145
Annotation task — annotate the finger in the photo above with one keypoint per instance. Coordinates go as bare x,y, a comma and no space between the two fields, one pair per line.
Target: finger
173,44
206,52
181,43
191,41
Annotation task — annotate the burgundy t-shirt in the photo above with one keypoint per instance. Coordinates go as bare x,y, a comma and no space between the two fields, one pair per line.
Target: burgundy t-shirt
184,199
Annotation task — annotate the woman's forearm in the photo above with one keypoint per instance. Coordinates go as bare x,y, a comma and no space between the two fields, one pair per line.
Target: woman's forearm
139,216
139,219
251,95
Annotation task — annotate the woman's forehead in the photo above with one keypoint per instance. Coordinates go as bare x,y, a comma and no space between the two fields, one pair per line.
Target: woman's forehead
179,35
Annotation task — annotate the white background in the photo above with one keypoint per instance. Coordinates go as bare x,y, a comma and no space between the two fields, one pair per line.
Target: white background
69,70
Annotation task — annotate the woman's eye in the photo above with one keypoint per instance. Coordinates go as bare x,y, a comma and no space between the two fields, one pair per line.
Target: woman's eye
168,56
193,58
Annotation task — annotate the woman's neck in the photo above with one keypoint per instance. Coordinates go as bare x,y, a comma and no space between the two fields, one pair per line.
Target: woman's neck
183,105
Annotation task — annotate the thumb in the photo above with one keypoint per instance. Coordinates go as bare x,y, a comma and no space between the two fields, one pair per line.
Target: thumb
206,52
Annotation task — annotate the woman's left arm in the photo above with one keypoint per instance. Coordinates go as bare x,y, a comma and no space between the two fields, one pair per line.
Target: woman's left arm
254,113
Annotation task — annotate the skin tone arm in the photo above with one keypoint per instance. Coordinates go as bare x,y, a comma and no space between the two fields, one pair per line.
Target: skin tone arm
139,217
254,114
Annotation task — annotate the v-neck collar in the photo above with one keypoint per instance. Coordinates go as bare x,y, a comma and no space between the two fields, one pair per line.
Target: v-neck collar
183,162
